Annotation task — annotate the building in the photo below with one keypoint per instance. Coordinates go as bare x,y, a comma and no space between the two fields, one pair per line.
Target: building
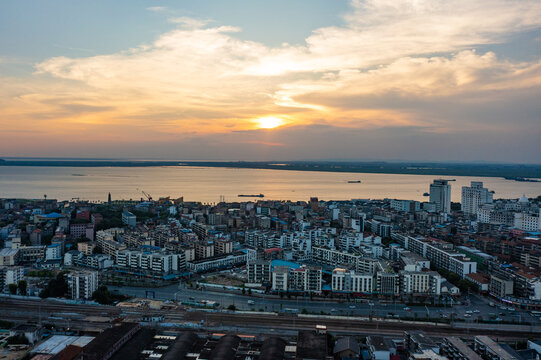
223,246
416,341
440,194
31,332
204,249
259,271
456,349
420,282
440,254
82,231
53,252
225,261
87,247
347,348
405,205
129,219
82,284
348,281
306,279
152,262
9,257
380,348
489,349
474,196
500,287
10,275
527,222
280,278
31,254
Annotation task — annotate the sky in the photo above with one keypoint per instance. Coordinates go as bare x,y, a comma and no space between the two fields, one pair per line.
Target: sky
423,80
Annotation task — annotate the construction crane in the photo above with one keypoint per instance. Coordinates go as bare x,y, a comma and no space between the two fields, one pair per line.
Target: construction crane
147,195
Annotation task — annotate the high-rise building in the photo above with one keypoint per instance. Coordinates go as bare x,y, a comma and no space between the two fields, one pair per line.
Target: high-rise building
440,194
474,196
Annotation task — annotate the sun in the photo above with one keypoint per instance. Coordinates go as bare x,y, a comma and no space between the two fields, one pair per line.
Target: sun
269,122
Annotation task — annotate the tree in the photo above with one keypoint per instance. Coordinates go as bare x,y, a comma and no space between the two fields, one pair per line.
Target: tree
102,296
22,285
12,289
232,307
17,340
57,287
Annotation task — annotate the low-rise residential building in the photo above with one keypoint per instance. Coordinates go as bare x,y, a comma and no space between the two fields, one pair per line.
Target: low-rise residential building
225,261
82,284
344,280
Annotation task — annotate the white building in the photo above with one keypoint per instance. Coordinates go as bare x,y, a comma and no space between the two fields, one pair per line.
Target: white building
129,219
53,252
527,222
405,205
217,262
280,278
12,275
420,282
440,194
155,262
475,196
82,284
440,254
348,281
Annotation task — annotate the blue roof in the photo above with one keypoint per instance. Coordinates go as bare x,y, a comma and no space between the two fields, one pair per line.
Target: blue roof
53,215
290,264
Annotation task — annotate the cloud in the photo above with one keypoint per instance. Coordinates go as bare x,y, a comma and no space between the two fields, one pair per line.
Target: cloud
394,64
158,9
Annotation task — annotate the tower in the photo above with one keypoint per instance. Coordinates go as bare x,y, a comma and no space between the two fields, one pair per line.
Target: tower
109,199
440,194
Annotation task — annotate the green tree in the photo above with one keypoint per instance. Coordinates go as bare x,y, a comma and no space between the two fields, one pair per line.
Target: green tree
232,307
57,287
12,289
17,340
22,285
103,296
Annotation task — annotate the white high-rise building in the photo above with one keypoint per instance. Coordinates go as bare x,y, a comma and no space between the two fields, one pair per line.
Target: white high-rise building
474,196
440,194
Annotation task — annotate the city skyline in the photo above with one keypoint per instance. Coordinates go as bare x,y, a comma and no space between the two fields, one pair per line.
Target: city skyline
411,80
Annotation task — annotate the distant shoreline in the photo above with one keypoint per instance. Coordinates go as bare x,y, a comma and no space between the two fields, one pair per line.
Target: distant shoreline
509,171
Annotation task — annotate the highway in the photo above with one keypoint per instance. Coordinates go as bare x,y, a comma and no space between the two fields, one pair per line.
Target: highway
478,307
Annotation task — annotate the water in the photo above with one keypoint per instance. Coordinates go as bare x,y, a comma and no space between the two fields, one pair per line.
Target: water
207,184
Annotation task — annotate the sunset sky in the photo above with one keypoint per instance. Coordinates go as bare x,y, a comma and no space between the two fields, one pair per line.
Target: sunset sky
272,80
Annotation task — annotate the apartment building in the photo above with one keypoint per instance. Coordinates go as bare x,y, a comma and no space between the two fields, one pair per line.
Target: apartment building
157,263
259,271
439,253
474,196
420,283
344,280
82,284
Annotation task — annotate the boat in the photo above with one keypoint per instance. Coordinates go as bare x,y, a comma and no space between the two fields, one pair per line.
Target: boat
243,195
354,181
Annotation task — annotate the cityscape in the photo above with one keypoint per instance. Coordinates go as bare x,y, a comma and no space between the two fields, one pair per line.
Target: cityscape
315,279
270,180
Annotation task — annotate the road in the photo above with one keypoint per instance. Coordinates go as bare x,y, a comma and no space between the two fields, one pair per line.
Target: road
478,307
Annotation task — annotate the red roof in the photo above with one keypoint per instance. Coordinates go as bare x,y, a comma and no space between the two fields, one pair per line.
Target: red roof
267,251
